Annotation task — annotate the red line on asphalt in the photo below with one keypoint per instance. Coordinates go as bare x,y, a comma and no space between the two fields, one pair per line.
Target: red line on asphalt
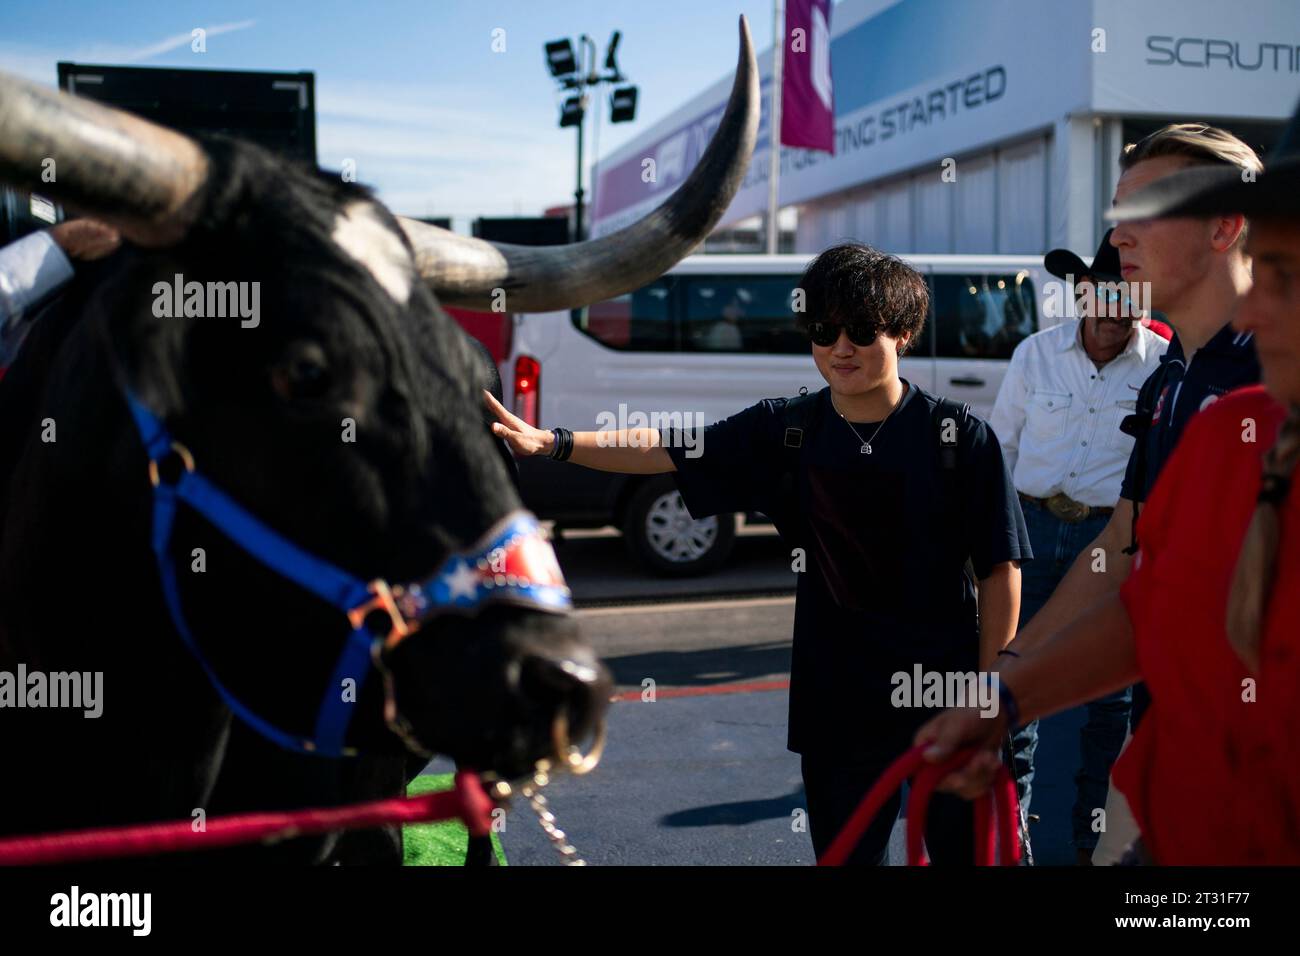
750,688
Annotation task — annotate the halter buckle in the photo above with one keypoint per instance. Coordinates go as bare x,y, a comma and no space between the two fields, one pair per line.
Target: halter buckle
381,599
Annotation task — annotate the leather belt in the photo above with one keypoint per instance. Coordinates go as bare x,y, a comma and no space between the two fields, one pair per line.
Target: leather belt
1066,508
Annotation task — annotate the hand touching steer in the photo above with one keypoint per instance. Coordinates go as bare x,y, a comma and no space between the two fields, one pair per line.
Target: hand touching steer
336,440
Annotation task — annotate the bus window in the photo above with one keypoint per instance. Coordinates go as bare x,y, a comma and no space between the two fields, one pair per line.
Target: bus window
982,316
639,321
741,313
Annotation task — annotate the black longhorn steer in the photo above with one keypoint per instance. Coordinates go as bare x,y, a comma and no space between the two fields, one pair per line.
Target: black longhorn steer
349,332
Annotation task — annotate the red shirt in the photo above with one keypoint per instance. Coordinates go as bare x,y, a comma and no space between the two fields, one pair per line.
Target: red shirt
1214,779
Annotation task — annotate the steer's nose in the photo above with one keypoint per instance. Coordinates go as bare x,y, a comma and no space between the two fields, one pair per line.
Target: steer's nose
572,689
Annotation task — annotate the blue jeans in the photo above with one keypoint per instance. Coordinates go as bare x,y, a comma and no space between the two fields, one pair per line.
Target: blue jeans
1056,544
1100,741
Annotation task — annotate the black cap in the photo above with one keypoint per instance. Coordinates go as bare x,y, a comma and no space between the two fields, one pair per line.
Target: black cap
1063,263
1215,190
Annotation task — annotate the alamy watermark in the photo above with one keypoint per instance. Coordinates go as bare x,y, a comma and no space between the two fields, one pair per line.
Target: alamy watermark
74,690
922,688
685,429
1113,300
209,300
74,908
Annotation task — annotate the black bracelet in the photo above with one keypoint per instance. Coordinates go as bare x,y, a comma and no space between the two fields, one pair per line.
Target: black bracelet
563,445
1007,651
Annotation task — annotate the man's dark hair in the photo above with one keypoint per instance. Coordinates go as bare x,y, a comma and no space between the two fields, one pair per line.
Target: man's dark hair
854,281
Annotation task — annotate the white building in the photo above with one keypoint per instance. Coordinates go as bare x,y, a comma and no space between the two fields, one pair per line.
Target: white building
1025,104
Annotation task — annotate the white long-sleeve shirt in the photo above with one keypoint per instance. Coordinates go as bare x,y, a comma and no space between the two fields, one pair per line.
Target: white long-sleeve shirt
1057,415
30,269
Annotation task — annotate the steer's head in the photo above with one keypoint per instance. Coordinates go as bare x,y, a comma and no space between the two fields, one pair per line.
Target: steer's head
321,386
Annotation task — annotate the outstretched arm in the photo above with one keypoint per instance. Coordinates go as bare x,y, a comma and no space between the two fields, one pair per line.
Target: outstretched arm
631,451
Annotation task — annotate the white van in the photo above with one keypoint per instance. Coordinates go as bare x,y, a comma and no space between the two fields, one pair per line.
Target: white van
715,335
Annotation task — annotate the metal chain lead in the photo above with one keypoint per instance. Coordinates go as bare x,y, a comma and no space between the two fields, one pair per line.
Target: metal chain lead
573,761
532,793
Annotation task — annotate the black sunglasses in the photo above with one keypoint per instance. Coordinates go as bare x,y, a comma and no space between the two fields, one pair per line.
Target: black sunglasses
828,333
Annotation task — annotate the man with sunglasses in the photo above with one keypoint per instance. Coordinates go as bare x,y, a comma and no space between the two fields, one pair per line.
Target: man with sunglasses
1057,416
886,494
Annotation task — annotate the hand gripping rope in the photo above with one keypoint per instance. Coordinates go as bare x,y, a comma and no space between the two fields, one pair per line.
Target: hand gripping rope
925,777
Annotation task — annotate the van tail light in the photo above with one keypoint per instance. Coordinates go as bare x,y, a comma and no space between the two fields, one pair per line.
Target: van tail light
528,375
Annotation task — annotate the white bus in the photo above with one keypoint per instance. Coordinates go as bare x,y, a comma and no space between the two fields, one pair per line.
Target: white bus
712,336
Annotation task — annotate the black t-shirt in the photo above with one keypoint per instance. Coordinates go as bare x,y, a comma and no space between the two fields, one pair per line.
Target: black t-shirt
885,545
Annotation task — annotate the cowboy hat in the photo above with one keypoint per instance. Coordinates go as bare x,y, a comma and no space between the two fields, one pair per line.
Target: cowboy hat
1063,263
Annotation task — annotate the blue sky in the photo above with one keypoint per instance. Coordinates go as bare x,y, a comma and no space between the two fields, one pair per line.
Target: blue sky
412,91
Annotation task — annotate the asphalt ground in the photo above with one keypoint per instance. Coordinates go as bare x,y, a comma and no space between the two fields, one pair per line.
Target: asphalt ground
700,775
706,780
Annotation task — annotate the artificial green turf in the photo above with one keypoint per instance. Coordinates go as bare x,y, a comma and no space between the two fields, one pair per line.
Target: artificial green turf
438,844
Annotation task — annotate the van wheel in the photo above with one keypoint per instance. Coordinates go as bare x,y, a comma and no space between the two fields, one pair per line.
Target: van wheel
662,535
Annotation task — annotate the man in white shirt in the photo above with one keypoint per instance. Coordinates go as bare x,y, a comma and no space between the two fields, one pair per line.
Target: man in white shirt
1057,418
37,265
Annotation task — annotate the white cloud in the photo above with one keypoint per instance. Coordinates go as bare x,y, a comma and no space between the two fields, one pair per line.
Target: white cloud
183,39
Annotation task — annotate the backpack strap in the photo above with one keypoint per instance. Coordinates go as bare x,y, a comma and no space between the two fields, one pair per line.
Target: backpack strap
949,422
944,417
798,422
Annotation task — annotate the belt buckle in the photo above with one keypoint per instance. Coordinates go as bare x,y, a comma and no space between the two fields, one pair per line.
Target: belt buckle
1066,508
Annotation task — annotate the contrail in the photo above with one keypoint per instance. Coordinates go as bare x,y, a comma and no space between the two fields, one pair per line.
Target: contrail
184,39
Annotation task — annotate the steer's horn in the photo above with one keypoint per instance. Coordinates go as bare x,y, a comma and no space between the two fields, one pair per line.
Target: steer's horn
138,176
466,271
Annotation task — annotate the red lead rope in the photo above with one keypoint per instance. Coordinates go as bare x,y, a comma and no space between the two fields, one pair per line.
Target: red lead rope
468,802
471,804
927,777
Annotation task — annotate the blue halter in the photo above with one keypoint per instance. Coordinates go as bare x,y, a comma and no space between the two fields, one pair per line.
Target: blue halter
513,563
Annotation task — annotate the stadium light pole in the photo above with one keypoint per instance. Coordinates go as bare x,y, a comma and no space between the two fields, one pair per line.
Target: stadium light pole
579,233
576,74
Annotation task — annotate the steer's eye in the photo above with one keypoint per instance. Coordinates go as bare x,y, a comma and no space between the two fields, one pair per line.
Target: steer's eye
302,372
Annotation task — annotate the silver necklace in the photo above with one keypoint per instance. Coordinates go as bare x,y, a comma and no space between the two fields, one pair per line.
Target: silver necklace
865,448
